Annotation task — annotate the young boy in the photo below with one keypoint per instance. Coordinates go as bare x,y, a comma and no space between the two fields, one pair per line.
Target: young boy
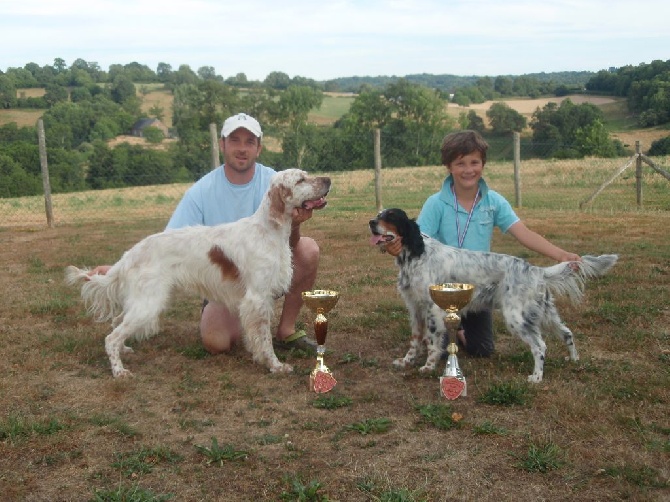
464,213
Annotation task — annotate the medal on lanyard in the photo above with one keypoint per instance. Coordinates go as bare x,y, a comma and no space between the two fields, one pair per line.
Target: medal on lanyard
461,237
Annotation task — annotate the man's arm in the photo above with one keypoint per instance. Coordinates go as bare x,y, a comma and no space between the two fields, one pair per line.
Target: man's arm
300,216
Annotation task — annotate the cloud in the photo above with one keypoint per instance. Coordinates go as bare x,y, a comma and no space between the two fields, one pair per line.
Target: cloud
339,38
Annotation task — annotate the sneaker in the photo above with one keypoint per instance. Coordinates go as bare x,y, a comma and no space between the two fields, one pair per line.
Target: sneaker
297,341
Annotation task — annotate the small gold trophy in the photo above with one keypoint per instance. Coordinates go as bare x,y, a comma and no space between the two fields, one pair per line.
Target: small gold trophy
452,297
321,301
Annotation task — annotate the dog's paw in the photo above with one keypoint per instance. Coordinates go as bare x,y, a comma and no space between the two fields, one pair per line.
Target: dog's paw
122,373
127,350
400,363
534,378
427,368
281,368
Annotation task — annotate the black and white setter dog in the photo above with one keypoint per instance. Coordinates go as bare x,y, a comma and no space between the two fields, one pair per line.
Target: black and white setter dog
244,265
524,293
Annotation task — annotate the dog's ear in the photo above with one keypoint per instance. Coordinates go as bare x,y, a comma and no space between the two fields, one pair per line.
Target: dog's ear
412,238
278,196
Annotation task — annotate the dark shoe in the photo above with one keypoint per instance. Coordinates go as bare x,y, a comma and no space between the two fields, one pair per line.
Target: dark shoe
297,341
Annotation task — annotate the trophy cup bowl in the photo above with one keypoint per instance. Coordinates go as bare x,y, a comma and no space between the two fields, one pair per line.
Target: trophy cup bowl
452,297
320,302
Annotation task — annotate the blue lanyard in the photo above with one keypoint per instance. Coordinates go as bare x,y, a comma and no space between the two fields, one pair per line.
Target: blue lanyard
461,237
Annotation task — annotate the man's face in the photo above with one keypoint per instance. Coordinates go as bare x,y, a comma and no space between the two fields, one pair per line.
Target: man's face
240,150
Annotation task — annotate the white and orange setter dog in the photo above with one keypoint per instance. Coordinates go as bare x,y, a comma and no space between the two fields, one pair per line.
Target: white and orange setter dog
244,265
524,293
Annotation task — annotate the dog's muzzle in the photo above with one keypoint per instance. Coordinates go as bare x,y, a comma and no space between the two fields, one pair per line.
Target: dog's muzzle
380,236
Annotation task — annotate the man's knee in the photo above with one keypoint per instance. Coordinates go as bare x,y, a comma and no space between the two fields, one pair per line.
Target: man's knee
306,256
218,329
307,250
215,343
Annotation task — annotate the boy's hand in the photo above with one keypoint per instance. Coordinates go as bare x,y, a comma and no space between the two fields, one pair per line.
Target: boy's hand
394,247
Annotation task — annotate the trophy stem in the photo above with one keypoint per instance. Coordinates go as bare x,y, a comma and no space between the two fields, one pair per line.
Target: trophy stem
320,351
453,383
321,301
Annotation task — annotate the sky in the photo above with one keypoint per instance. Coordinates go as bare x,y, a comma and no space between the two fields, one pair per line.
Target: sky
324,39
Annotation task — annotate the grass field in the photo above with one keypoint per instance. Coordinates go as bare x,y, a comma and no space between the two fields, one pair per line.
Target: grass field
194,427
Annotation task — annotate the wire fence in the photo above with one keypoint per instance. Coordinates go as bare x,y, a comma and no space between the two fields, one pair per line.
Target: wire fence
614,184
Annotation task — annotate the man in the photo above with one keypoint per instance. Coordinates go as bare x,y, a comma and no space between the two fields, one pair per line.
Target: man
226,194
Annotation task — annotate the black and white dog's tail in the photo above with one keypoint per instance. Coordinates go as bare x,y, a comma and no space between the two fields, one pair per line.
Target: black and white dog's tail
567,279
101,293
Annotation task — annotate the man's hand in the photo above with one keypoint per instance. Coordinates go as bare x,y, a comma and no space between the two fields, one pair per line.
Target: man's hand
301,215
99,270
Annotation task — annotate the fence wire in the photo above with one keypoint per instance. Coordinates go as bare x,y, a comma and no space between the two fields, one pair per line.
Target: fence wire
544,184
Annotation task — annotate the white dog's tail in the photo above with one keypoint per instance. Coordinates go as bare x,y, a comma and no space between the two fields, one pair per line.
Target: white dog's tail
564,280
101,293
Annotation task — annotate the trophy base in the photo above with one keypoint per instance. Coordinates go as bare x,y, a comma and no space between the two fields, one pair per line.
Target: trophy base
453,387
321,381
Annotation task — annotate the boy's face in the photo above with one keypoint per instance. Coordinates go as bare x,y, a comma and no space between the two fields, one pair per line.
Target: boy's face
467,170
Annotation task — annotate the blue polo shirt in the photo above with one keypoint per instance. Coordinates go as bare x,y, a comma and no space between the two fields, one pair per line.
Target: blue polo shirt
438,217
213,199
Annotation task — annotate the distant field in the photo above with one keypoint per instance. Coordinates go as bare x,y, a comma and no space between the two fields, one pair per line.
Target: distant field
333,107
23,118
620,123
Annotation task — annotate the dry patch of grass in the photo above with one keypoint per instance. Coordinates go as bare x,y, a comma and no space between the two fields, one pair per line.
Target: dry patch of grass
199,427
23,118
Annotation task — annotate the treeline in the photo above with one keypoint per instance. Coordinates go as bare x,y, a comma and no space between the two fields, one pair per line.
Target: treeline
85,75
646,87
86,107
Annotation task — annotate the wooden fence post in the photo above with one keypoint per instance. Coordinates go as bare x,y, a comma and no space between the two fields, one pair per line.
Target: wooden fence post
378,169
638,174
517,169
214,135
46,184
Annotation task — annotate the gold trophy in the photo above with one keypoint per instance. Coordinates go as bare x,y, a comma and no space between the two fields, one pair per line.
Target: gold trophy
452,297
321,301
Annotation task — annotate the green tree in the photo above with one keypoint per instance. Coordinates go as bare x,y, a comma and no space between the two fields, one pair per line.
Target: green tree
54,94
164,72
153,135
184,75
277,80
208,73
122,89
593,140
296,102
14,180
59,65
503,85
504,119
660,146
474,122
7,92
571,130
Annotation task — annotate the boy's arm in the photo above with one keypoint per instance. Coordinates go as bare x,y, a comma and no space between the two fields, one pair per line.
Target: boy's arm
535,242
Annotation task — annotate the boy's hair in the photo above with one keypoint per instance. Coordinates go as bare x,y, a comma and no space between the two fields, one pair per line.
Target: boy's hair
457,144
